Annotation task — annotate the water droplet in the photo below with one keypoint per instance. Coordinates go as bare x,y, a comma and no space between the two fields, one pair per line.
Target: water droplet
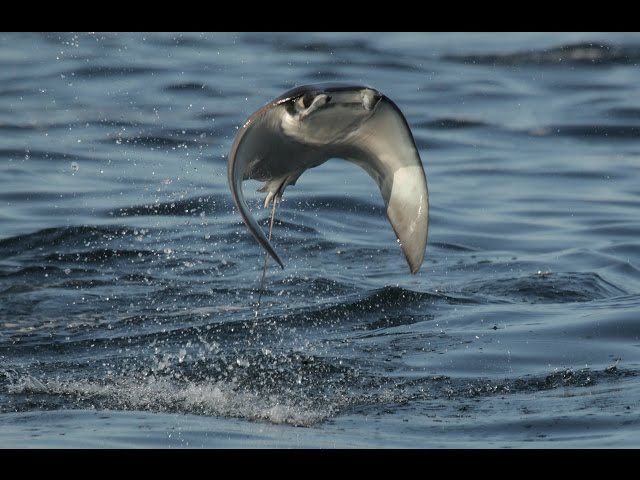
74,167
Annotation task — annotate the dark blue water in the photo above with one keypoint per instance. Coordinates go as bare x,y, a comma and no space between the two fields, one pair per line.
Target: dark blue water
128,281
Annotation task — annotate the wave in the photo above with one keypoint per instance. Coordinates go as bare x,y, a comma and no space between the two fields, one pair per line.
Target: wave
106,71
547,287
584,53
335,203
292,389
448,123
624,112
33,154
60,236
153,140
192,87
184,207
595,132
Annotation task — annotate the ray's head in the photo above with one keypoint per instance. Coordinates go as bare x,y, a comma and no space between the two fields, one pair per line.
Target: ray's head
317,112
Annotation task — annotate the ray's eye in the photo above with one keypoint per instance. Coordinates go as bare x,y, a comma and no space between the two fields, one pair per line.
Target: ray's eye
310,102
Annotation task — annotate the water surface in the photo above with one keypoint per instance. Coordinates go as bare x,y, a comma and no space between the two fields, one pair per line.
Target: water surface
128,281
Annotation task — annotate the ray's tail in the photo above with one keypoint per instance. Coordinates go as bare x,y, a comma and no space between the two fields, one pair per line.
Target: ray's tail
266,254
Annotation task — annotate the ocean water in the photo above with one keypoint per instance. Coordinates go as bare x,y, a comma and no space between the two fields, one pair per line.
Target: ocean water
128,281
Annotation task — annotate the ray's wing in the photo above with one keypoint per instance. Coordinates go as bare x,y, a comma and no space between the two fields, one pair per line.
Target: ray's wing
246,148
384,146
